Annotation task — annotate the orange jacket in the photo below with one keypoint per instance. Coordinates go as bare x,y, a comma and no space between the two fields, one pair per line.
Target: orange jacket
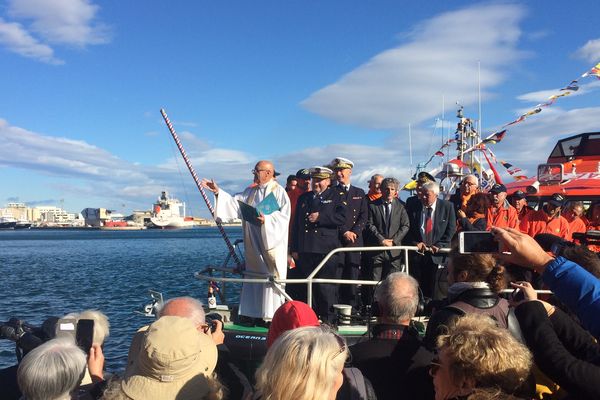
505,216
576,225
538,222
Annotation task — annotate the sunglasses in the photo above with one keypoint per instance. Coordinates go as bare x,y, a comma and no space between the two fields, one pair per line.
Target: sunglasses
341,343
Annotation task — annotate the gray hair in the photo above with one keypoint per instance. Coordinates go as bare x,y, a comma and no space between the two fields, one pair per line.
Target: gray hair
52,370
471,176
393,182
186,307
397,303
101,324
431,186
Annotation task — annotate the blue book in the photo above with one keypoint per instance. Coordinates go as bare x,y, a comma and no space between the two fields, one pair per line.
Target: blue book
267,206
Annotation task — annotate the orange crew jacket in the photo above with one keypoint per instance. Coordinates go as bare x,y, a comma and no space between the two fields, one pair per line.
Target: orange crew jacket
505,216
538,222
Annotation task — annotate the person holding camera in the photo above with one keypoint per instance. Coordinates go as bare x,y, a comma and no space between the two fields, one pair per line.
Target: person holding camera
187,307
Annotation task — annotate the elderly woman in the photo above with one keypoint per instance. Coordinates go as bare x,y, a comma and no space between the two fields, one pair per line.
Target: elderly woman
52,371
475,354
303,364
474,284
474,218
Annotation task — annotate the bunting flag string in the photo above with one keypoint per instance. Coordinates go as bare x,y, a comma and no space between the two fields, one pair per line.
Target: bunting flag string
497,136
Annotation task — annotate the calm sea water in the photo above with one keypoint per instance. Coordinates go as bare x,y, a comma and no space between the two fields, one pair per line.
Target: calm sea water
47,273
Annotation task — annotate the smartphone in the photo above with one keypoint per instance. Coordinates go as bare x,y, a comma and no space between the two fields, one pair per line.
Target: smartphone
477,242
85,334
517,295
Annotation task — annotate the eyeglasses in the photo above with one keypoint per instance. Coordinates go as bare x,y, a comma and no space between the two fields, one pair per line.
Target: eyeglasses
256,171
434,366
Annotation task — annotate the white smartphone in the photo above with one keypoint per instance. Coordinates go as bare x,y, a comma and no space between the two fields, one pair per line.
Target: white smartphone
471,242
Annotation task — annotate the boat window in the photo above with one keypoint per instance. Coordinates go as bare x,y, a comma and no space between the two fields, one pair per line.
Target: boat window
570,146
592,146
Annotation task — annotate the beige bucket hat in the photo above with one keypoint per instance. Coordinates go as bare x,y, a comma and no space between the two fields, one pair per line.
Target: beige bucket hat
174,361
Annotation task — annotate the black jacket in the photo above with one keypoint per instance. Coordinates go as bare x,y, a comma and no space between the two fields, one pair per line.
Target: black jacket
484,299
397,369
444,225
322,236
376,225
356,214
562,349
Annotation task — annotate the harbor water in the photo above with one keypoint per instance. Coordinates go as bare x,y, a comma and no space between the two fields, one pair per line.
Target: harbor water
54,272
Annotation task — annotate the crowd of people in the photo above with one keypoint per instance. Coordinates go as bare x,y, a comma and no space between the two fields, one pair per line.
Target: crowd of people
477,345
324,210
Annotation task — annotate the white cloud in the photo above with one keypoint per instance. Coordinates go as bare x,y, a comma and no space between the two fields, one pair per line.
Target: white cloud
542,96
16,39
590,51
406,84
70,22
540,133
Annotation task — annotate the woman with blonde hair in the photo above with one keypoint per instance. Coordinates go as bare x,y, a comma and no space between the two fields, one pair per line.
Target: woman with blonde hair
303,364
476,355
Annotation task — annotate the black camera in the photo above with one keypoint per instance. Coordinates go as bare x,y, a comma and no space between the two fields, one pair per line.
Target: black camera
211,320
26,336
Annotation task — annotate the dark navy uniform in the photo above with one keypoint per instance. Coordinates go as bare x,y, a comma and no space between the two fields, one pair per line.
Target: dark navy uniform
356,221
312,241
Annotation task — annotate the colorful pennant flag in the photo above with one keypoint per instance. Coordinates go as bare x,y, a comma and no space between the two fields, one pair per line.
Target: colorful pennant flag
573,86
595,71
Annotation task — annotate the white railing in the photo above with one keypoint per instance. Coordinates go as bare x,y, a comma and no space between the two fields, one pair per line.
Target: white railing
310,280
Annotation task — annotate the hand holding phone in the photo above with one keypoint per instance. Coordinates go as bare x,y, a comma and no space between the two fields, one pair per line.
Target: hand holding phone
473,242
85,334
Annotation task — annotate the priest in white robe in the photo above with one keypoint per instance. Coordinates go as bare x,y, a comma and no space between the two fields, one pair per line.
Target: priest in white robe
265,244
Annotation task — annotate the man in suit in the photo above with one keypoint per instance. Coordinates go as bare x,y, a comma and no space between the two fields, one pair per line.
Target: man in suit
432,225
387,225
351,233
421,179
319,215
394,358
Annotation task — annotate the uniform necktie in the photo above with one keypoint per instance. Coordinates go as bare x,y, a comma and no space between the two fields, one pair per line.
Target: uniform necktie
428,226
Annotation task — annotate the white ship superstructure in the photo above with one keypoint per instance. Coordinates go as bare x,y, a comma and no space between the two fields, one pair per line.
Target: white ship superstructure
167,213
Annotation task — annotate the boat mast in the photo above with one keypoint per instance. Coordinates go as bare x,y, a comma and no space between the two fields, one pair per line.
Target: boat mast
230,247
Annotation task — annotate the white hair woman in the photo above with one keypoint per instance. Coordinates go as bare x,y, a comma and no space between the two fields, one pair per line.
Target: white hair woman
51,371
303,364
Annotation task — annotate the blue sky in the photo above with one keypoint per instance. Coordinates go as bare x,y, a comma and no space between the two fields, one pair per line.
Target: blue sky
298,82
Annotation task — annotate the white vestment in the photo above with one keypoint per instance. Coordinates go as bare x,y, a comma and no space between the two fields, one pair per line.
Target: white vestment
266,246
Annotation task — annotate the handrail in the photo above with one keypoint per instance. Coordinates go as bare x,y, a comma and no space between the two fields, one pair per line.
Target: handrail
310,279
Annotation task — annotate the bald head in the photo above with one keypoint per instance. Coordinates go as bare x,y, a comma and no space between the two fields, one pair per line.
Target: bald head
185,307
263,172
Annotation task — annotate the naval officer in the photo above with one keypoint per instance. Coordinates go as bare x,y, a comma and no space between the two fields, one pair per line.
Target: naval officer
320,213
351,233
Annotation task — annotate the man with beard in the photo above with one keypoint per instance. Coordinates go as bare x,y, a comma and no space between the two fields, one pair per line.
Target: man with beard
547,219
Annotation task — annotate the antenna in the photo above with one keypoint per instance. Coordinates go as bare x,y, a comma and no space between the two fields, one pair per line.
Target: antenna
410,149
